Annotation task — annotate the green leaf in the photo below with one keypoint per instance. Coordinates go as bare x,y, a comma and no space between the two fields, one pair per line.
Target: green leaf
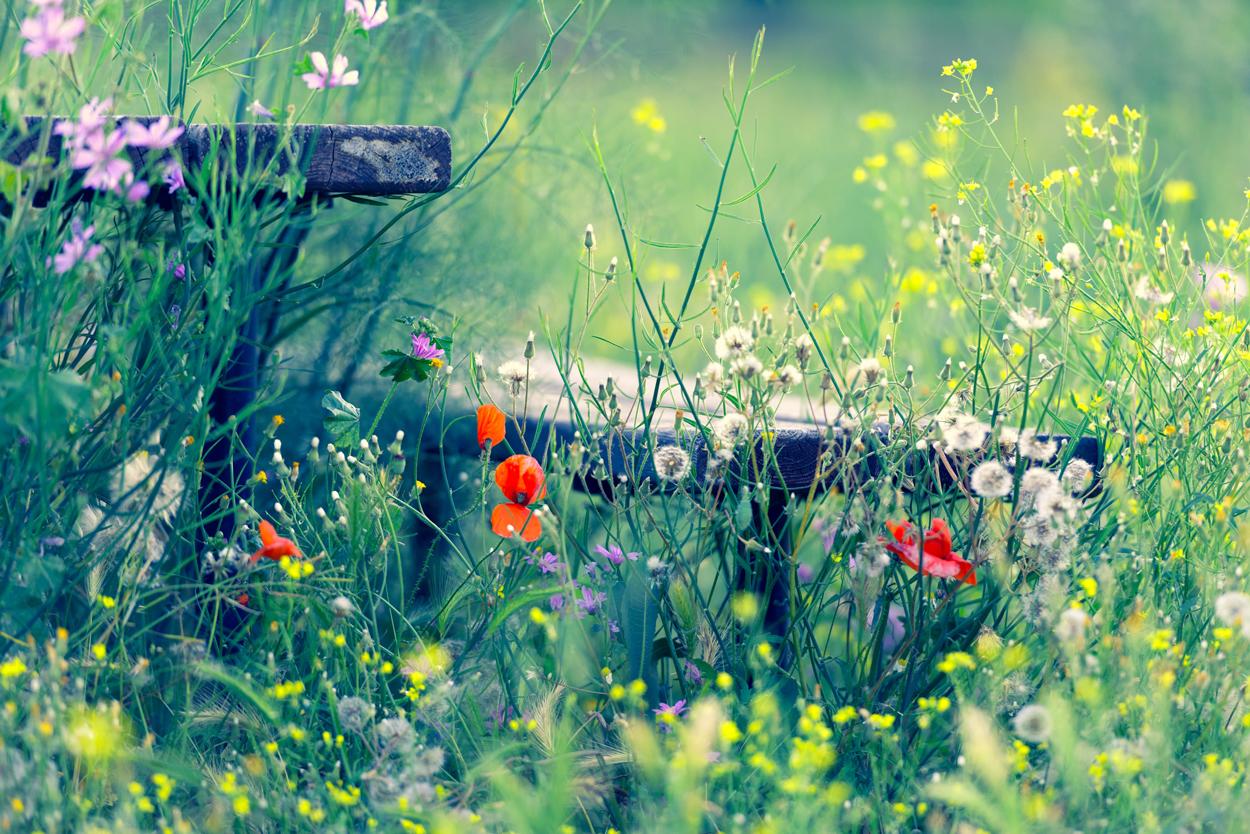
515,604
405,367
638,614
238,686
343,424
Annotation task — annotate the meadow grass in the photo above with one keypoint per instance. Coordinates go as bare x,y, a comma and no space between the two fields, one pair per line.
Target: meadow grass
955,624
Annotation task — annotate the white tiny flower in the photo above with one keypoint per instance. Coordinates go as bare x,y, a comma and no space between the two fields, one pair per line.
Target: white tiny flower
746,367
803,347
1029,319
786,376
991,480
868,372
1070,256
1033,723
1072,625
734,342
516,374
1035,449
671,463
1037,480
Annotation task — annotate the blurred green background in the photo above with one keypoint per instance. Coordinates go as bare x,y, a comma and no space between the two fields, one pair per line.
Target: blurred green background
650,81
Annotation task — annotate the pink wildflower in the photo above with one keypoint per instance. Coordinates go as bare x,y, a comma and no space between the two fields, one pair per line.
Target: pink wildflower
668,714
76,249
324,78
156,136
99,156
136,190
371,13
50,32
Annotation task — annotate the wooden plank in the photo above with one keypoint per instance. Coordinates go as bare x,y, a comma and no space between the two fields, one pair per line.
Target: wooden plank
344,159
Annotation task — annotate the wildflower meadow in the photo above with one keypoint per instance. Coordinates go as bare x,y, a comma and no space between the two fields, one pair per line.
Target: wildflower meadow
702,527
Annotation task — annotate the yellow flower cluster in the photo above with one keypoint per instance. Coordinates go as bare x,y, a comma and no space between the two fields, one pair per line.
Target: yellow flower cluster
282,690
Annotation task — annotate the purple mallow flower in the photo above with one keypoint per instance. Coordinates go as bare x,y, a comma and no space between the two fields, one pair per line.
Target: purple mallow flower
805,573
50,32
99,155
325,77
613,628
422,349
372,13
76,249
614,554
556,602
693,673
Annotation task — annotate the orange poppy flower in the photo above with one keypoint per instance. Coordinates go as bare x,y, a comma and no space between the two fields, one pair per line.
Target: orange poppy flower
522,481
938,559
490,425
274,546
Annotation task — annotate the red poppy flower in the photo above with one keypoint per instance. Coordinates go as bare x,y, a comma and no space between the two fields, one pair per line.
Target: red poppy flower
490,425
522,481
507,519
937,560
274,546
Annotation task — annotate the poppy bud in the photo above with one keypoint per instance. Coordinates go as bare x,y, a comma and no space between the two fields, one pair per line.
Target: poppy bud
529,347
590,237
611,273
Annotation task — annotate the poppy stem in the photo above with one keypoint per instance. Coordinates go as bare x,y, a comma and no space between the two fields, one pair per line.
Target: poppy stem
378,417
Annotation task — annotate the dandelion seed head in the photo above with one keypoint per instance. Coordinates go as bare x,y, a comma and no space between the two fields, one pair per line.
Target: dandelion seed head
735,342
671,463
991,480
1033,723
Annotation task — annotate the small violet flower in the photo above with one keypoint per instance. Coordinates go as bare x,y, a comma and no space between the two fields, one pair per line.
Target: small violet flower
371,13
325,78
175,313
613,628
614,554
590,601
668,714
548,563
556,602
422,349
49,32
76,249
260,111
173,176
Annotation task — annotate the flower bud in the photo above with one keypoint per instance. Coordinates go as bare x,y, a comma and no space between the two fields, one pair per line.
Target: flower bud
611,273
646,369
1187,258
698,331
910,381
956,231
844,352
946,371
589,242
896,313
737,313
1121,251
888,350
1165,234
529,347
